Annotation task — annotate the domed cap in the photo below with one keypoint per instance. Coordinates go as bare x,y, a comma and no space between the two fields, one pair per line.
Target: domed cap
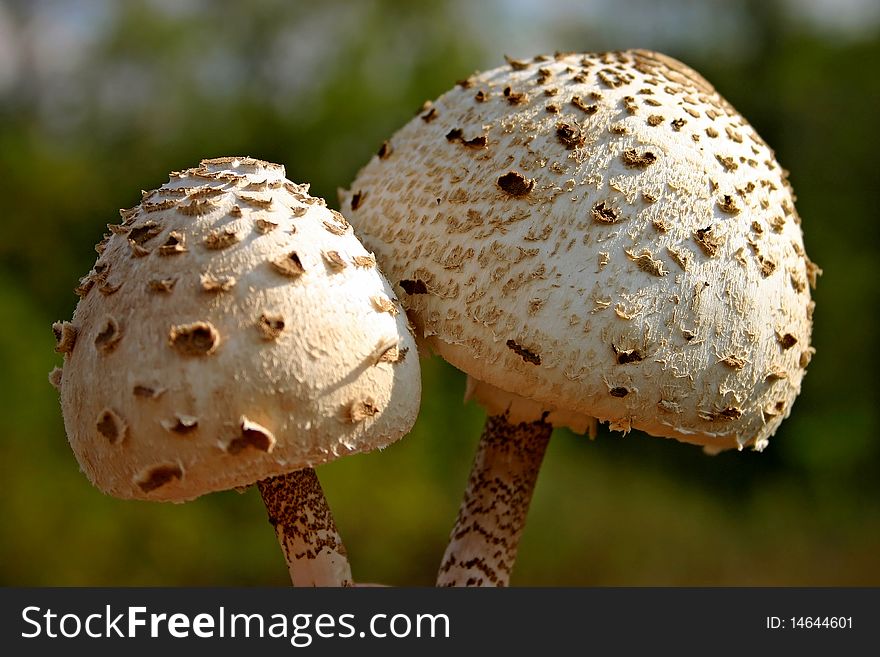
603,234
232,329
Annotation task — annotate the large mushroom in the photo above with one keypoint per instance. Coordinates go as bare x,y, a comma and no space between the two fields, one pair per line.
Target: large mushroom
235,331
590,237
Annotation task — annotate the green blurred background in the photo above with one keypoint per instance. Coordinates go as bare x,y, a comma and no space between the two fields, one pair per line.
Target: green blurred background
100,99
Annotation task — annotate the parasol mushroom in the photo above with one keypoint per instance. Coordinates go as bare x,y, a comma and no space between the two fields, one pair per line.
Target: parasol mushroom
234,331
590,237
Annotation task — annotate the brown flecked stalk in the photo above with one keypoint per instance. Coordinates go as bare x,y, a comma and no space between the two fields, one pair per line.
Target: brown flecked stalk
305,529
483,544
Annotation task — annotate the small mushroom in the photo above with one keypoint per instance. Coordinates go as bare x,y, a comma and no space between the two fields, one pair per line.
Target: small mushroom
639,341
171,393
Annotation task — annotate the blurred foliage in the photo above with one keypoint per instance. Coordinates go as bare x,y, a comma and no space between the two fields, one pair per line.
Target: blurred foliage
159,85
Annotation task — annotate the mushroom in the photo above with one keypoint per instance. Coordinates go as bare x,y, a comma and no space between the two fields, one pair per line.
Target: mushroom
591,237
214,347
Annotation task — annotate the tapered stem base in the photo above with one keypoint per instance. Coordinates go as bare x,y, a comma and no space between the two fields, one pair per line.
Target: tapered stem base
305,529
483,544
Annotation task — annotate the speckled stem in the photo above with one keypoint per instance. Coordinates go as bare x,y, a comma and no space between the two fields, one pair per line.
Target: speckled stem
305,528
482,546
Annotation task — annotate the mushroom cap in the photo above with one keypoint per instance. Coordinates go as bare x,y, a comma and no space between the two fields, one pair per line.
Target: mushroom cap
603,234
233,328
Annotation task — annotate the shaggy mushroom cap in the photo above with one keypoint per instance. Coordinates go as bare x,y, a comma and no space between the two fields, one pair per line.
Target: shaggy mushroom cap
602,234
232,329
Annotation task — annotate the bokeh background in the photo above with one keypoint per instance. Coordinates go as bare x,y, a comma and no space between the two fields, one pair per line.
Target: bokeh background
99,99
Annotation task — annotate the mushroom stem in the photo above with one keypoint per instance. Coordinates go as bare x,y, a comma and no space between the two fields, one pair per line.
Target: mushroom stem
305,529
483,544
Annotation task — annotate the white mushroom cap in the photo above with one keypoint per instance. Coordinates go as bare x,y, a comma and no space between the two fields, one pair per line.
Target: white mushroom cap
605,235
232,329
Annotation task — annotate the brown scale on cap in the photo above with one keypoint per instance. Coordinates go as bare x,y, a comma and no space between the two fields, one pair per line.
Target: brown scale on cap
196,339
85,285
787,340
728,205
709,240
727,162
544,74
385,150
364,261
256,201
175,244
361,409
457,135
251,435
55,377
527,355
65,337
515,97
805,357
515,184
289,265
648,263
157,476
604,214
108,288
264,226
196,208
140,235
625,356
733,362
334,260
211,283
181,424
334,228
137,251
339,224
111,427
661,224
570,136
681,257
777,374
221,238
393,354
587,108
160,205
634,160
383,304
270,325
147,391
517,64
767,266
109,335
